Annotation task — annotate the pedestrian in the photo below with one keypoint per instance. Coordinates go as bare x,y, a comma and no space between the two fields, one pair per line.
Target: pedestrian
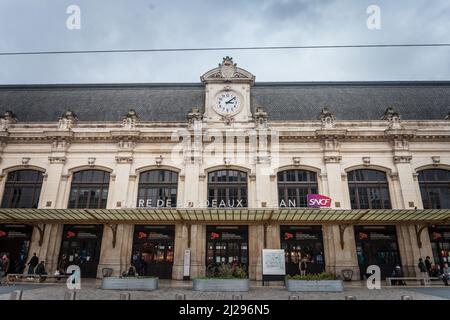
303,266
5,263
63,264
428,265
34,261
40,271
445,274
397,273
422,268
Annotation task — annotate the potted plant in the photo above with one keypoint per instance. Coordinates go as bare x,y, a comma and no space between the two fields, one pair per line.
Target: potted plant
324,282
223,278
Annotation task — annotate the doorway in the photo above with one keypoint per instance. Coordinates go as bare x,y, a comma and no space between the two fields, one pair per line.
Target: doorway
15,242
153,250
226,245
377,245
82,244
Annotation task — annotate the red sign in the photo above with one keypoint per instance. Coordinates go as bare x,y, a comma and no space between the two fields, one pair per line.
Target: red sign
288,236
318,200
362,236
3,234
71,234
142,235
214,235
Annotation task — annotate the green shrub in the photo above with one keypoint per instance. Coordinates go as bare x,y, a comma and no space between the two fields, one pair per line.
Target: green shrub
225,271
313,277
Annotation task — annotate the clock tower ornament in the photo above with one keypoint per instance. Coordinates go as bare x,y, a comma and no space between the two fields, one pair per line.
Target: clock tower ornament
227,94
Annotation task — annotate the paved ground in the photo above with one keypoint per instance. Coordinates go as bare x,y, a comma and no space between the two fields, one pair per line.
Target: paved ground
90,291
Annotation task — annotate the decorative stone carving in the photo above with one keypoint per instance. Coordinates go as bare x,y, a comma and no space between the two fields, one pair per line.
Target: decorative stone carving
159,160
26,161
194,116
261,117
328,119
263,159
125,144
331,144
60,160
227,72
226,161
436,160
67,121
394,176
402,159
252,177
393,118
91,161
124,159
227,120
366,161
332,159
201,177
296,161
129,120
60,144
401,144
7,120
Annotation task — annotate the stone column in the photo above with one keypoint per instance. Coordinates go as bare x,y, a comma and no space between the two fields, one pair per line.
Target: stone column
255,246
407,184
336,257
198,250
116,257
180,245
273,240
51,194
50,248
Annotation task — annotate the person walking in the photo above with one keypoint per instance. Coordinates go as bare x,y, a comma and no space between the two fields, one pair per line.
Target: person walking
398,273
34,261
445,274
63,264
423,270
303,266
428,265
40,271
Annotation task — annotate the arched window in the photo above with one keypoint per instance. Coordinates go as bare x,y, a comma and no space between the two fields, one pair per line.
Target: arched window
369,189
157,188
227,188
435,188
89,189
22,189
294,186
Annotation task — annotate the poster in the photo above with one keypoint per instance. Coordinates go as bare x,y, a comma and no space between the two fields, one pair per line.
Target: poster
273,262
187,263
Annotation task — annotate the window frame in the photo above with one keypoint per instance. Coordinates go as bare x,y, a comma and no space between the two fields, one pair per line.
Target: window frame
159,185
227,185
432,184
91,185
36,186
297,184
368,184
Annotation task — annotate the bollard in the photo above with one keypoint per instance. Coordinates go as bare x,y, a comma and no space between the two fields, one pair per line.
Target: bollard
125,296
180,296
236,297
16,295
350,298
294,298
407,298
70,295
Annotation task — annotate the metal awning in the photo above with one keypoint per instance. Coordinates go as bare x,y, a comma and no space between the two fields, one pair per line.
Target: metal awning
241,215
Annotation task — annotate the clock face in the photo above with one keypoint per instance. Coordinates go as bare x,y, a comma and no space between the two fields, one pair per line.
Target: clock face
227,103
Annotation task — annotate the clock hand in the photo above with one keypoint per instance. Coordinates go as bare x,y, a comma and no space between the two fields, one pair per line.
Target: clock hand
229,101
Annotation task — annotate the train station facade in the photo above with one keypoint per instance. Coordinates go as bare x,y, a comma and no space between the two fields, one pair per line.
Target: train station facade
185,176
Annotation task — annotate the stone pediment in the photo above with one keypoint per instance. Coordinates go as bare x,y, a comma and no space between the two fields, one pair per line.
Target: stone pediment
227,71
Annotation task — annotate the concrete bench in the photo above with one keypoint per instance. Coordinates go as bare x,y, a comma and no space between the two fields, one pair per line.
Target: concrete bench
12,278
422,280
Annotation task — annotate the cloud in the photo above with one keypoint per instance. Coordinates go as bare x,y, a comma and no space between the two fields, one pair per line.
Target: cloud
29,25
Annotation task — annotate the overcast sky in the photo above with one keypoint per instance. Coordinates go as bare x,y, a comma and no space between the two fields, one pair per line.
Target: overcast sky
31,25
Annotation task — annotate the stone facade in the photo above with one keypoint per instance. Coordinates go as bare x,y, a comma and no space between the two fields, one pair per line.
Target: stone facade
328,146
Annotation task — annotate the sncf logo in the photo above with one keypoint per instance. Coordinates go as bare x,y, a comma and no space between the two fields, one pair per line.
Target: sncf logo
318,200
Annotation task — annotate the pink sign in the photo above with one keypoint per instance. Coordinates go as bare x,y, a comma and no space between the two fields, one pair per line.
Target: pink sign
318,200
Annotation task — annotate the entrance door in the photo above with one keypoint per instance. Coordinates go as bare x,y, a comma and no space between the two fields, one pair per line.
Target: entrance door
303,242
14,242
377,245
82,244
226,245
440,244
153,248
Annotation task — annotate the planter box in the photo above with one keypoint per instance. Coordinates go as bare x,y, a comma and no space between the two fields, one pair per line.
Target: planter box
227,285
310,286
113,283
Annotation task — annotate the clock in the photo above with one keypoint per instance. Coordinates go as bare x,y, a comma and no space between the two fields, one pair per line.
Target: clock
227,103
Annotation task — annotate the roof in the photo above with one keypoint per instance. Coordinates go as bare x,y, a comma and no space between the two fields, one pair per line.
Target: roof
281,215
171,102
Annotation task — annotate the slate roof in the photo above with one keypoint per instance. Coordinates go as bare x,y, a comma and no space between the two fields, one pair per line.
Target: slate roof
283,101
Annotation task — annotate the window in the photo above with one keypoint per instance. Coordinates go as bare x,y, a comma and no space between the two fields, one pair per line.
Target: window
227,189
89,189
435,188
294,186
369,189
157,188
22,189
